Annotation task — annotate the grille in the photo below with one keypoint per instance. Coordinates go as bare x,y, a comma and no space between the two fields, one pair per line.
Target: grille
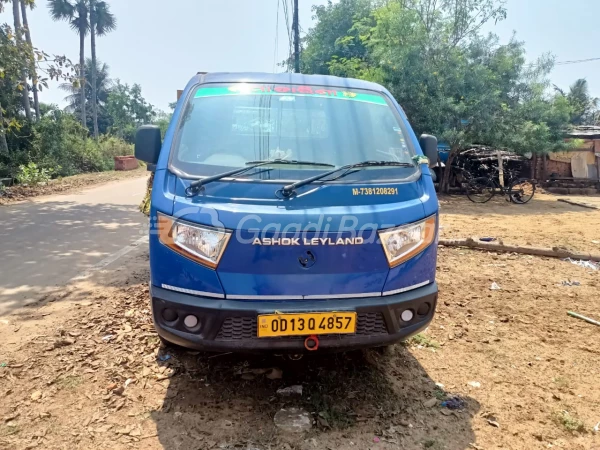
236,328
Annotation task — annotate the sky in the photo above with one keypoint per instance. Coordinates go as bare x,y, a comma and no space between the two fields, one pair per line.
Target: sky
161,45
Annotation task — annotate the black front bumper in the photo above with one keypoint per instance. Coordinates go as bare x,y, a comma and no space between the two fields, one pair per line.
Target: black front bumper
230,325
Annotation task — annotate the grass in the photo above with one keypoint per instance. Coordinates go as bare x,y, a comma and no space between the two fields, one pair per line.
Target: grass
425,341
569,422
440,394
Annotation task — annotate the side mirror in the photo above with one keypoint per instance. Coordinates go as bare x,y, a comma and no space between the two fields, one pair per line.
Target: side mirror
429,144
148,144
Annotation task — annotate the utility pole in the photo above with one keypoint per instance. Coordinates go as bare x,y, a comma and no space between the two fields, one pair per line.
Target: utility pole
296,27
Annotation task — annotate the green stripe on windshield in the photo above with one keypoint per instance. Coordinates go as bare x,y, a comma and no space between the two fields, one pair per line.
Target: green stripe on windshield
286,91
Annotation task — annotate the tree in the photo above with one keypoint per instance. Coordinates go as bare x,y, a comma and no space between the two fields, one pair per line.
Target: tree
332,35
584,106
32,69
163,120
102,22
103,87
18,33
128,110
10,80
450,80
75,12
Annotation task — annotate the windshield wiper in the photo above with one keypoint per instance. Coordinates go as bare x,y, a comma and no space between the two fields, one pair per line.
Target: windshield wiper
288,190
195,186
293,161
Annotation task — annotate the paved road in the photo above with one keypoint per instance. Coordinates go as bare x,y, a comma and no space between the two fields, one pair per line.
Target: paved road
47,242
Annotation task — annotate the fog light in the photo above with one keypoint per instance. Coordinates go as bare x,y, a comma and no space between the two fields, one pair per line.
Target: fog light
169,315
423,309
190,321
407,315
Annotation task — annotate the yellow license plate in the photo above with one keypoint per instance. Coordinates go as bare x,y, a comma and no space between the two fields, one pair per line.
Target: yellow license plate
271,325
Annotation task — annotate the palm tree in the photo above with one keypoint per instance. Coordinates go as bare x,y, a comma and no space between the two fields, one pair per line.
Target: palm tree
76,12
33,74
584,106
19,40
102,22
103,86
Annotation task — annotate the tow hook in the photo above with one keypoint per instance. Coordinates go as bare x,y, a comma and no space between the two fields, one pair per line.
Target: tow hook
311,343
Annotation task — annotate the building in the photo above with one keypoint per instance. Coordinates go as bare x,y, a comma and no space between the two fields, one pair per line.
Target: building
575,171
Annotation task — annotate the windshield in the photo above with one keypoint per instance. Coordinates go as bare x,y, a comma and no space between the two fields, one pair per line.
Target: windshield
229,126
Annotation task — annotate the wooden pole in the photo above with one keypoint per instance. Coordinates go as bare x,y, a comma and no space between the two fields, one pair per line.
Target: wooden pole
544,167
554,252
500,168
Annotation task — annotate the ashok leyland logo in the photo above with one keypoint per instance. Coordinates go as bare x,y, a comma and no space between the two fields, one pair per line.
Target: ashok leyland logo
306,241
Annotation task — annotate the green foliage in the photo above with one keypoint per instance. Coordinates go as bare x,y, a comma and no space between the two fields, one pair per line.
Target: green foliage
103,86
162,121
102,18
60,143
333,34
56,144
76,13
451,80
32,175
584,107
423,340
111,146
11,62
128,110
569,422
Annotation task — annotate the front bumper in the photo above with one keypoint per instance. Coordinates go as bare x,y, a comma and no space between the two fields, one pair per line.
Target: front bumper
230,325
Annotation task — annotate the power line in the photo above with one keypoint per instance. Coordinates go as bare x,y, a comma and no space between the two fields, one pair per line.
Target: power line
566,63
289,29
577,61
296,38
276,38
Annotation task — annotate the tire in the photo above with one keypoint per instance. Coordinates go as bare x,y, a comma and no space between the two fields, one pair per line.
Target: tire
480,190
521,191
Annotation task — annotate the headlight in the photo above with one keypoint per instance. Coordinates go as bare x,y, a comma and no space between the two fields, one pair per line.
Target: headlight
402,243
204,245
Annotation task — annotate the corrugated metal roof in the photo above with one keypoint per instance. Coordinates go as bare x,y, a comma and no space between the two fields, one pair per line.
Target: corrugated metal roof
584,132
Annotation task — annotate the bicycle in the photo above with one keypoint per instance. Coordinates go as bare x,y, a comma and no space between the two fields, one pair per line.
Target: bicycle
483,189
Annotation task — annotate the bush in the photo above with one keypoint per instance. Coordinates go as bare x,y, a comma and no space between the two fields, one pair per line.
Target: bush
61,143
111,146
59,146
32,175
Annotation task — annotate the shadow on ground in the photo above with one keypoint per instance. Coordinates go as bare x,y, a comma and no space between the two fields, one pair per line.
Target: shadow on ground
546,205
44,245
357,400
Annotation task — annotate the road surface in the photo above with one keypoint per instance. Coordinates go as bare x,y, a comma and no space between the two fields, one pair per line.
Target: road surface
49,241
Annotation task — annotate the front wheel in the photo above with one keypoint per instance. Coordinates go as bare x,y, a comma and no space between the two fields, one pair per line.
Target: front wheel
521,191
480,190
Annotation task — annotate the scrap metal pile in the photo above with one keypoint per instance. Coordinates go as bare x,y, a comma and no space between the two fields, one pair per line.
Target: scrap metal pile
482,161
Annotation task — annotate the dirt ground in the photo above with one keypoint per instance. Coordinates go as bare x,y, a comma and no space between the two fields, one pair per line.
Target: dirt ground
86,370
18,193
544,222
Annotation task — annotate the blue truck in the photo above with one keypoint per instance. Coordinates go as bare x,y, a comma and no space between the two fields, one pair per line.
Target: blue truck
290,213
